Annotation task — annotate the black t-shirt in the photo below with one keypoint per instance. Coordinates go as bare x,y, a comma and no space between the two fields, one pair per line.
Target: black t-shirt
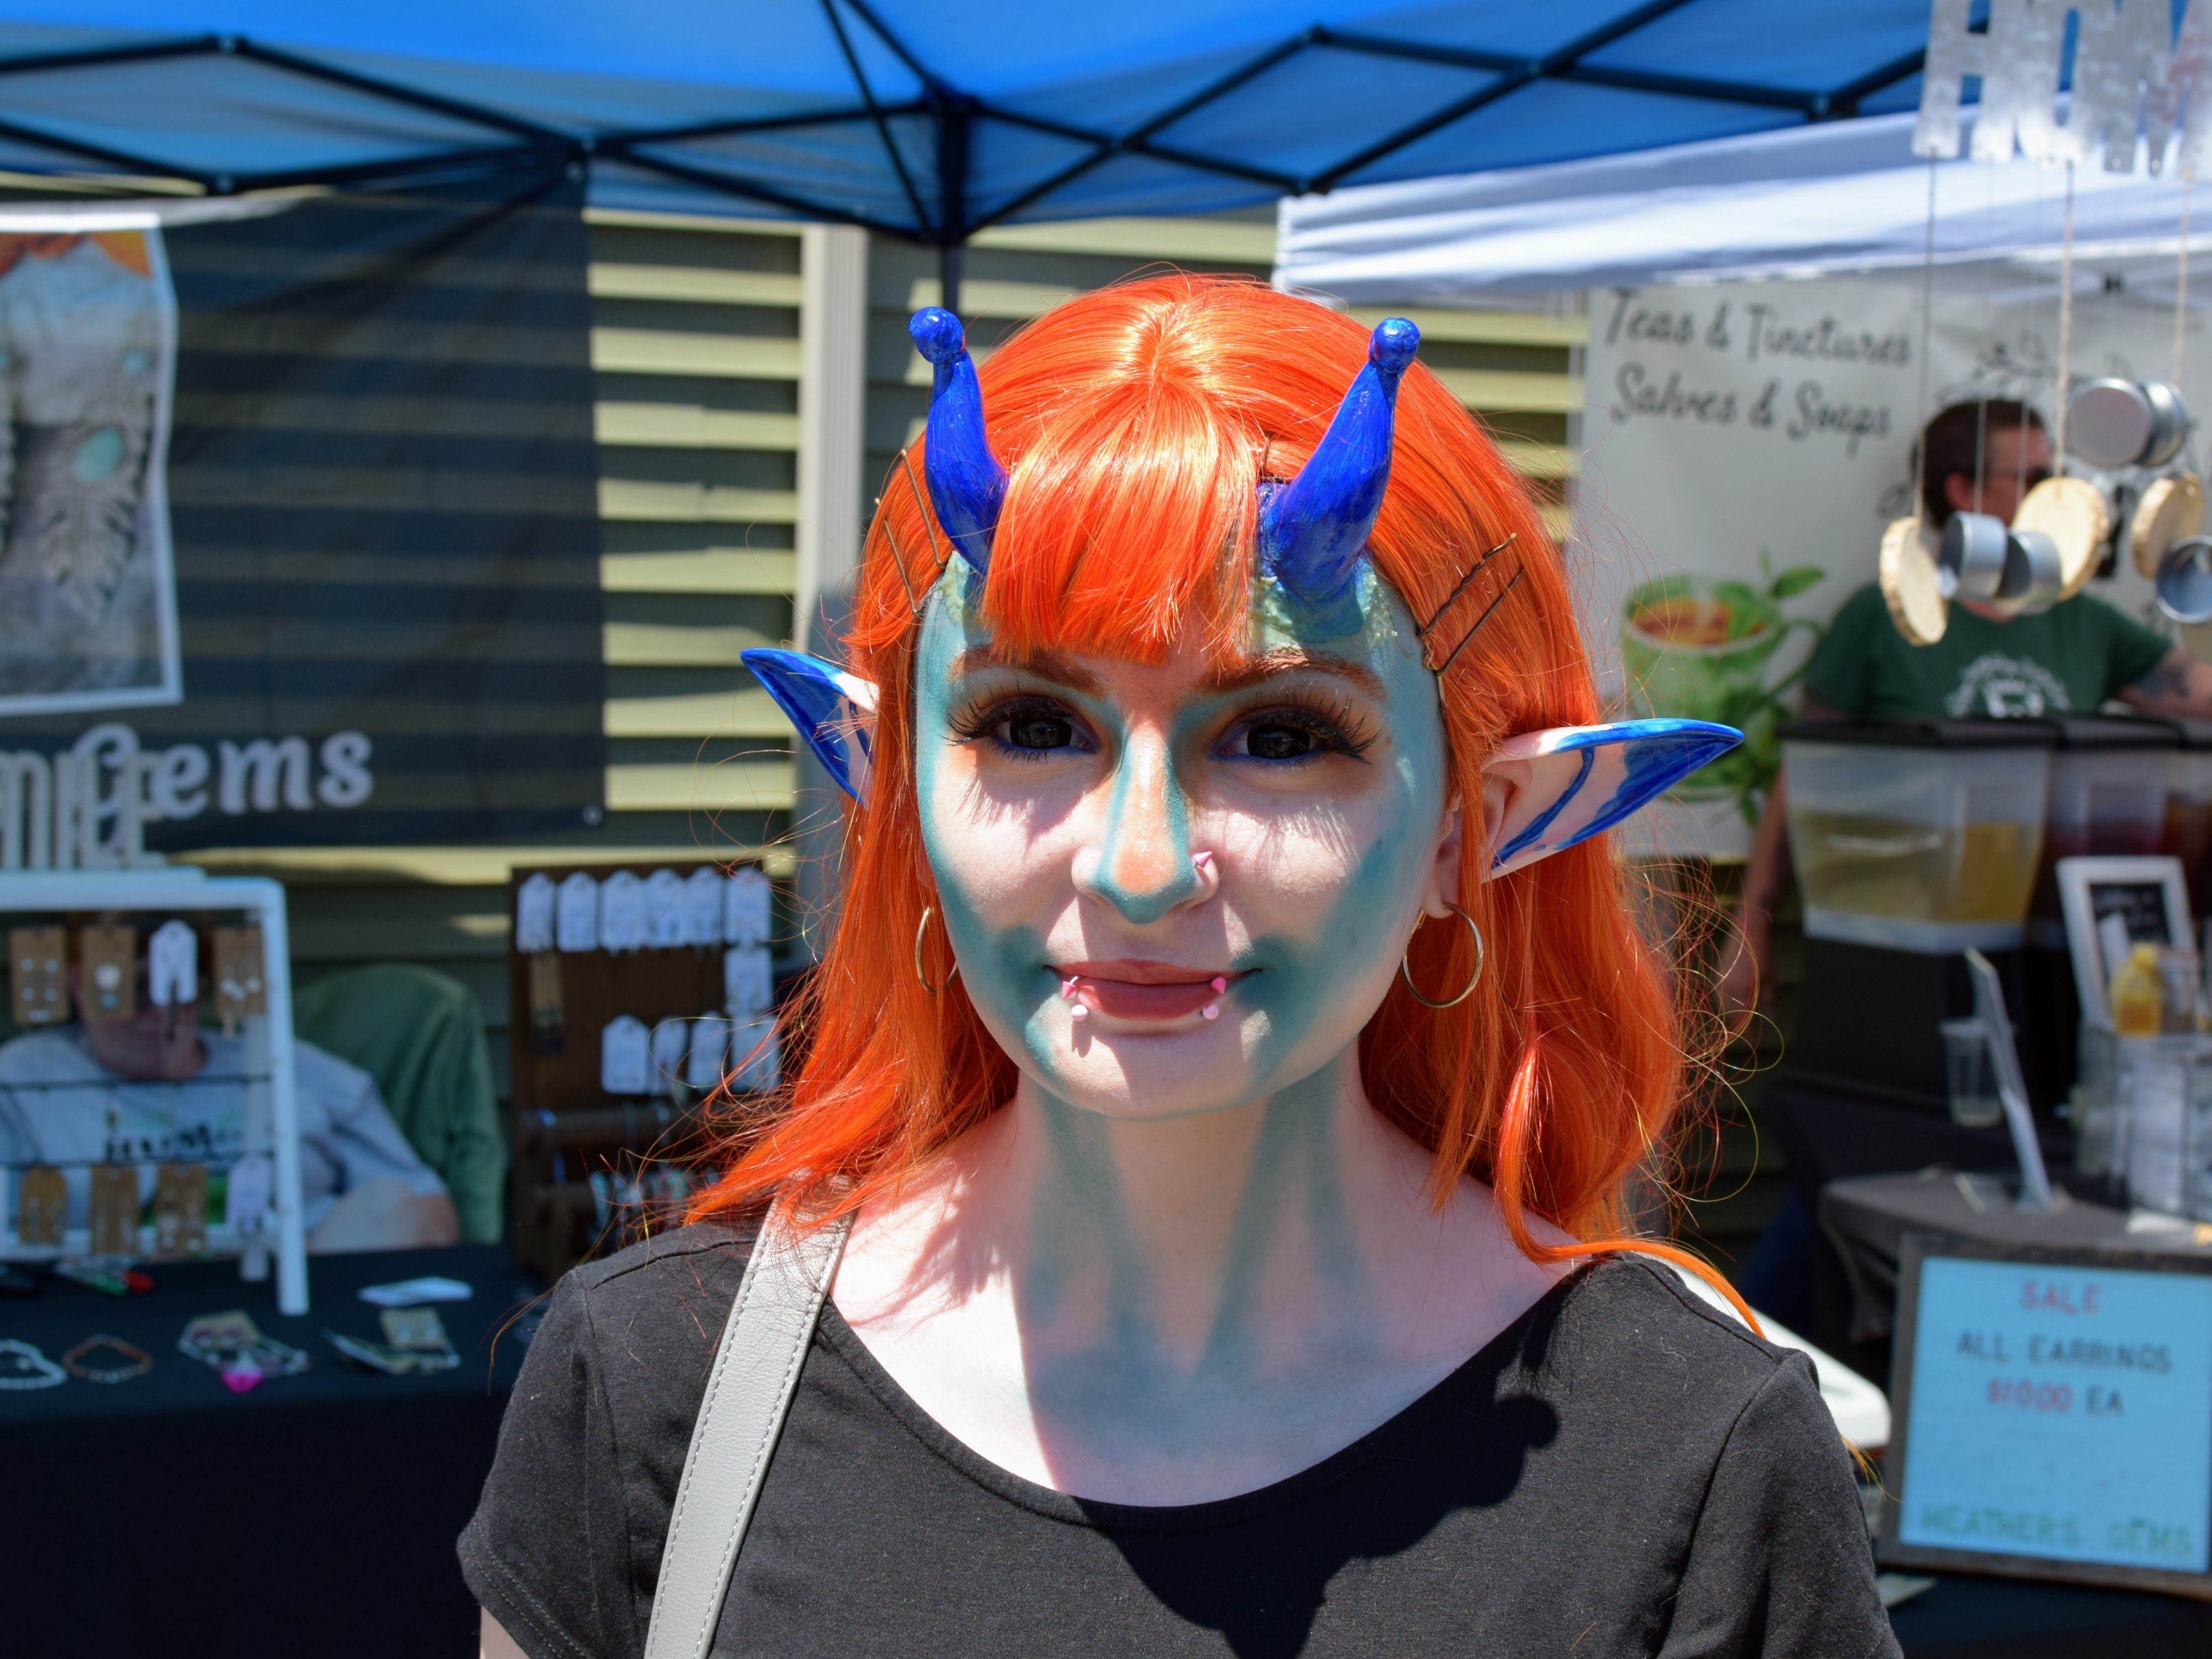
1621,1471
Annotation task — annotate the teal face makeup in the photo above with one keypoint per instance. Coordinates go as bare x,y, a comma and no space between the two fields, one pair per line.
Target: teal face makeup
1064,802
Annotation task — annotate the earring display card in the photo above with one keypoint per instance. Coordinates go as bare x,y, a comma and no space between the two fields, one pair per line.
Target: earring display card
114,1210
181,1193
41,1207
238,990
664,910
108,959
38,963
172,965
246,1193
755,1063
576,924
745,915
625,1068
748,981
533,915
622,911
671,1041
703,907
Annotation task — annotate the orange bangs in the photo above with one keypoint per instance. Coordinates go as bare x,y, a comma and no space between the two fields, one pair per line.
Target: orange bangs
1136,422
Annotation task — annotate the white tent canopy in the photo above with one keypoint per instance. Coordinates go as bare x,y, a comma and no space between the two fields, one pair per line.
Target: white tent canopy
1817,200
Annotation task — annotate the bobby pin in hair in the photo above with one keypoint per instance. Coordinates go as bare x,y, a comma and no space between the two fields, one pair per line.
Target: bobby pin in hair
898,553
1439,668
1452,598
921,506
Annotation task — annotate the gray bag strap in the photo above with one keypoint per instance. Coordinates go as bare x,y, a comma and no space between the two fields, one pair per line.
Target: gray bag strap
756,1372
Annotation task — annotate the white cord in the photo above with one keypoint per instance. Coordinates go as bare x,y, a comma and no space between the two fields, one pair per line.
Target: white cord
1927,308
2065,324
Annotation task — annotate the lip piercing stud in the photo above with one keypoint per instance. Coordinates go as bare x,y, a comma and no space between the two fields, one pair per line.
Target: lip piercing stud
1066,988
1211,1011
1078,1011
1220,983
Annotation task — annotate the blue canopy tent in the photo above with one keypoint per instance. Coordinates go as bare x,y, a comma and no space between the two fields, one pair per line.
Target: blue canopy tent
928,121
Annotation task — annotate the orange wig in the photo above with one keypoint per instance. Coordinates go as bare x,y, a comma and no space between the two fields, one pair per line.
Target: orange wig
1136,422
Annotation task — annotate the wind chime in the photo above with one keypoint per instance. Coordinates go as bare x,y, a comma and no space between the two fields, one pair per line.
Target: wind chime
2130,441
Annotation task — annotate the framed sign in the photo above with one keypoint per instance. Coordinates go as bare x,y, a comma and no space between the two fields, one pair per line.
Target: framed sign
2053,1414
2112,902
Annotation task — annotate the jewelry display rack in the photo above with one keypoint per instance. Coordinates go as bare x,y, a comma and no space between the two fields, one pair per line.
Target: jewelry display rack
565,1129
269,1076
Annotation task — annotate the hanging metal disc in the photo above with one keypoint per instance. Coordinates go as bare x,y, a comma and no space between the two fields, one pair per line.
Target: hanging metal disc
2109,423
1971,560
2183,582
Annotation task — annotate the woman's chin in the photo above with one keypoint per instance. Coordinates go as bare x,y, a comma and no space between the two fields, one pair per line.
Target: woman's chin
1144,1073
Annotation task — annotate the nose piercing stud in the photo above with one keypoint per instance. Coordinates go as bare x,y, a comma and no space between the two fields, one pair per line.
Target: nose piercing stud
1201,859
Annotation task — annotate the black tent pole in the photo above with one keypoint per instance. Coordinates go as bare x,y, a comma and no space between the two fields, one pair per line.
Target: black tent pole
950,258
955,114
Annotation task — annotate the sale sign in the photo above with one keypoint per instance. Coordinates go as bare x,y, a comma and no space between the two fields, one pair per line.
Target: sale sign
2061,1413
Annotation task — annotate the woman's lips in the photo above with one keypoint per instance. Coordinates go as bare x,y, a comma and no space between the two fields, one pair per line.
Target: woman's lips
1140,990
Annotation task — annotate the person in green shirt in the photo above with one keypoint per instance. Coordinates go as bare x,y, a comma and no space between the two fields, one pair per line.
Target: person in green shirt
2075,657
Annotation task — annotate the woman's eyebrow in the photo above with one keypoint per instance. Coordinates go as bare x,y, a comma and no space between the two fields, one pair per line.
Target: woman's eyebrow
1043,664
1252,670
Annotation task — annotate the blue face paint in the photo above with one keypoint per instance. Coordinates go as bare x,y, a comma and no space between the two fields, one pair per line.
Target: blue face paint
1355,862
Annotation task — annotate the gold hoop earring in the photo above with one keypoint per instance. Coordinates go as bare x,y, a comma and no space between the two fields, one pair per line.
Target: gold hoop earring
1406,972
928,911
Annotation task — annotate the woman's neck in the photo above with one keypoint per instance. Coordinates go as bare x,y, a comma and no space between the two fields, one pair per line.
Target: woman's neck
1190,1306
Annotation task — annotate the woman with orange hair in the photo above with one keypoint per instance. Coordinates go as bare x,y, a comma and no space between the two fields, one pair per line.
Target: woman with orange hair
1197,1223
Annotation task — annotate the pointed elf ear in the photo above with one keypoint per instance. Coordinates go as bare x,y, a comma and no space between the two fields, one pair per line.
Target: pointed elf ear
1588,778
834,712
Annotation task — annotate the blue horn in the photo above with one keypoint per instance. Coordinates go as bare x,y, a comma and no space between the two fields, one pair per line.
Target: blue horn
967,485
1313,529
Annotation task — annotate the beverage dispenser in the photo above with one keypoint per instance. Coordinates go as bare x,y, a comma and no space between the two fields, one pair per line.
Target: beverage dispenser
1912,842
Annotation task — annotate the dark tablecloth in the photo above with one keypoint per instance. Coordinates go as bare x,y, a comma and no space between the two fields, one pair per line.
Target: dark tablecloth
315,1515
